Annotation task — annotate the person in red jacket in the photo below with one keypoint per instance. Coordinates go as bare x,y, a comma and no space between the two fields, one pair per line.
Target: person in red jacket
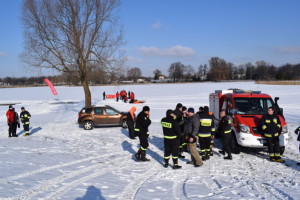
11,121
132,96
117,96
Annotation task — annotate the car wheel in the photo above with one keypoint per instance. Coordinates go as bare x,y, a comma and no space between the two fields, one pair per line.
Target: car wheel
88,125
282,150
124,124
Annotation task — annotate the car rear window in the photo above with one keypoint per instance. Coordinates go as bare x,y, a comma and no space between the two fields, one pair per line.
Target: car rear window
86,110
98,111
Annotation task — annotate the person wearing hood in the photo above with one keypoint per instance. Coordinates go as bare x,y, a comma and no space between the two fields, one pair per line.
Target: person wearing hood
11,119
130,120
206,130
271,126
171,131
141,130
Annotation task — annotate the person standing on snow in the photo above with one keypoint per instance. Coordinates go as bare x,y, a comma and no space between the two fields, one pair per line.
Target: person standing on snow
10,115
117,96
206,130
130,120
132,96
141,130
104,95
191,127
225,127
25,117
182,141
172,133
297,131
178,117
271,126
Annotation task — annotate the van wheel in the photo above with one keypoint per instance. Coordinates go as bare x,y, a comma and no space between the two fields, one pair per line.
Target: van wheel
124,124
88,125
281,149
235,147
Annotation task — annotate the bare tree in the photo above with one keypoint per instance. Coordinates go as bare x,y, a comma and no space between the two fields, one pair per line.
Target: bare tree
157,73
202,72
134,73
218,69
176,71
61,34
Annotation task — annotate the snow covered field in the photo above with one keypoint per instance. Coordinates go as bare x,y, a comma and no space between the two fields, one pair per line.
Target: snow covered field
60,160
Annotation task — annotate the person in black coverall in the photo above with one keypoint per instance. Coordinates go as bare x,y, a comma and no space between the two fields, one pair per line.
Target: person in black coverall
141,130
225,131
271,127
172,134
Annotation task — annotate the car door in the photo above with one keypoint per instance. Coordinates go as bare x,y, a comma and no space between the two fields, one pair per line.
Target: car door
112,116
99,116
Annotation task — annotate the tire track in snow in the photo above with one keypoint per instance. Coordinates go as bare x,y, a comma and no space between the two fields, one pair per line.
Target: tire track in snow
130,191
68,186
44,169
41,188
179,191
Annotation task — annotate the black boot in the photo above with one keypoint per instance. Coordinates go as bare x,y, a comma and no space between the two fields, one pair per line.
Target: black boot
166,163
229,157
222,152
298,163
138,154
181,156
176,166
143,157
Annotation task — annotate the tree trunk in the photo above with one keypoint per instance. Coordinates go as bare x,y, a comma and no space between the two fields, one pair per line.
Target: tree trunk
87,93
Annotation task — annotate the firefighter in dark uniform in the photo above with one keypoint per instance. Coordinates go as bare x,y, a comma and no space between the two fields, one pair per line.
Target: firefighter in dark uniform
141,130
225,127
271,126
179,118
297,131
172,135
25,117
206,130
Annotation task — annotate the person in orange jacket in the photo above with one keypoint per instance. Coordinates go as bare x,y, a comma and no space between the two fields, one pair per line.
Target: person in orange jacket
117,96
130,122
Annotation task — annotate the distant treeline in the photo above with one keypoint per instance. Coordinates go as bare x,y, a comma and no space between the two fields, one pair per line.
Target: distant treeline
217,70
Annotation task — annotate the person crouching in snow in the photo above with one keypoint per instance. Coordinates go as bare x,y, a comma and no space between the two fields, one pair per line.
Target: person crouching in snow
297,131
141,130
172,134
130,122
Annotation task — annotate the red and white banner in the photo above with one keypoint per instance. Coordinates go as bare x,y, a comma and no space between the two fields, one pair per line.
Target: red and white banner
49,83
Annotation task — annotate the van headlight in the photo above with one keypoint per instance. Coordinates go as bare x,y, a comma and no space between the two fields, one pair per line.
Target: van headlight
284,129
244,128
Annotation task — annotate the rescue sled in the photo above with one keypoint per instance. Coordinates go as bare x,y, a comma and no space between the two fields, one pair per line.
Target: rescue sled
138,101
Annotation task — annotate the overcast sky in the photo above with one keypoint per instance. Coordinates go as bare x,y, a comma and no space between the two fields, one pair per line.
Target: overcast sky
160,32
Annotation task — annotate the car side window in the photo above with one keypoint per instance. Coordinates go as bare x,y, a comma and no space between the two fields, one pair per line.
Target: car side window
98,111
110,112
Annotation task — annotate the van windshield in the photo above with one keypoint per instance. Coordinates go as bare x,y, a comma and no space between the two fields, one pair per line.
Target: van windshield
253,106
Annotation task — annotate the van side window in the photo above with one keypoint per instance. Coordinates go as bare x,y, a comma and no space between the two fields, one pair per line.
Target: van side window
98,111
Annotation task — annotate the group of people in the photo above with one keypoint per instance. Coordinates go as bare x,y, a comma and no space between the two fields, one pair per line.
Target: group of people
13,121
124,96
183,130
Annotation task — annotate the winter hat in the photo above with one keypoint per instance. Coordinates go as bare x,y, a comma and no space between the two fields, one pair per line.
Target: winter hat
22,108
191,110
10,106
146,108
184,108
206,109
179,105
201,108
169,112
